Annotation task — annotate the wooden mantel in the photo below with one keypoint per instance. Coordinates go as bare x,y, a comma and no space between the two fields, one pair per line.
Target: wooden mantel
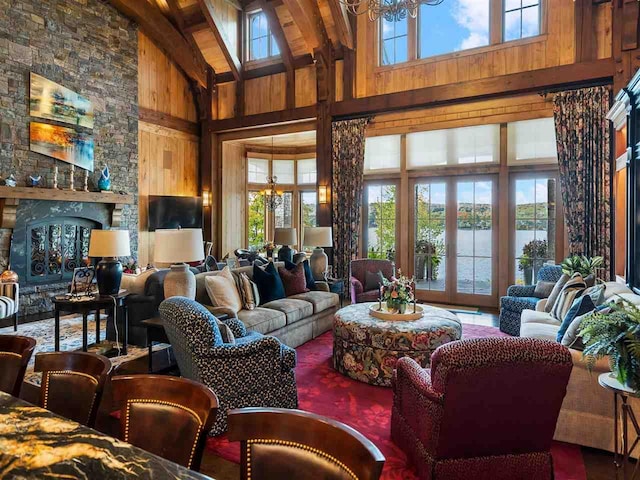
10,199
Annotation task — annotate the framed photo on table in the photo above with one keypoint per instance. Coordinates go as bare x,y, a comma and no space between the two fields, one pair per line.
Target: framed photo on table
83,281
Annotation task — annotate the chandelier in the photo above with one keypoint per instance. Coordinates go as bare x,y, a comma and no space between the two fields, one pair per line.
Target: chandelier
272,197
390,10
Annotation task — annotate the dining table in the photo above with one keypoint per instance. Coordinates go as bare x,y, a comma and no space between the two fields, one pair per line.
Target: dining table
36,444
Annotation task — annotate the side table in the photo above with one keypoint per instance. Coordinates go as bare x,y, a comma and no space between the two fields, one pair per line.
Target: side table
337,286
622,412
85,307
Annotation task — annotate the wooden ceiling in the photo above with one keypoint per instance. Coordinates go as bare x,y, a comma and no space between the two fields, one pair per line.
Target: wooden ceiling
212,29
299,140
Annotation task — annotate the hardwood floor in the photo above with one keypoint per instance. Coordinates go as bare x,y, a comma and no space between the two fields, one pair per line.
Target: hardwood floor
599,464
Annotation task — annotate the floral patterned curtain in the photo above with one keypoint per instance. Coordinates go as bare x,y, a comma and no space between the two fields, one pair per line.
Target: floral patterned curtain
348,170
583,139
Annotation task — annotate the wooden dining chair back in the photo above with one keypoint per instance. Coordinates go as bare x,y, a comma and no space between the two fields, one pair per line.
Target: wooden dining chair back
168,416
72,384
15,353
280,443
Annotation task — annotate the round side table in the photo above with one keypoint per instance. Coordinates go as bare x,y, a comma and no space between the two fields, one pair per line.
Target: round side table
622,412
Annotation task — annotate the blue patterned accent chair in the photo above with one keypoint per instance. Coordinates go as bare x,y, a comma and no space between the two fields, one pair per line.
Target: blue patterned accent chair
255,371
522,297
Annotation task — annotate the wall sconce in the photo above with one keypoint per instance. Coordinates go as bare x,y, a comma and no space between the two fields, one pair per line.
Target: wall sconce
323,195
206,198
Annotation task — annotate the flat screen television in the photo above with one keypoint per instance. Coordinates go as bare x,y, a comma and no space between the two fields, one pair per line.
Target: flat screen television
174,212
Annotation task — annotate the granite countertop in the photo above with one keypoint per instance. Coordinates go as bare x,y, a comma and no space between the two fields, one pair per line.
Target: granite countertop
35,443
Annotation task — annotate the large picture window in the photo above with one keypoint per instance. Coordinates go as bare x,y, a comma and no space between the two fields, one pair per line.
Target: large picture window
395,41
380,215
256,216
521,19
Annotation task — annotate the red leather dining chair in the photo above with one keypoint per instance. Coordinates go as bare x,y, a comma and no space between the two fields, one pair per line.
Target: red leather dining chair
280,444
15,353
72,384
168,416
487,406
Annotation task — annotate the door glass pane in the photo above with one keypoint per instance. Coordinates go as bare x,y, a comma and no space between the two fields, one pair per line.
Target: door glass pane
283,214
535,227
475,237
256,220
430,236
381,224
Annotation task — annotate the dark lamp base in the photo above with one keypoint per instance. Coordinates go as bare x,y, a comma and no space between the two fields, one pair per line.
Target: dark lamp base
109,276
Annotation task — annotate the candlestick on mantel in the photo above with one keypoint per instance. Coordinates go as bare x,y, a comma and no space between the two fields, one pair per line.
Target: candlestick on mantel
55,177
72,172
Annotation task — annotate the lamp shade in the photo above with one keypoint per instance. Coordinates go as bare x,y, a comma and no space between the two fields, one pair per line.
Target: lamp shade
318,237
109,243
179,246
285,236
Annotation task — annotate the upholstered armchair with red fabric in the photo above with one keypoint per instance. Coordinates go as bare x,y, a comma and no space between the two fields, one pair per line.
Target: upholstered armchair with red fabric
358,273
487,406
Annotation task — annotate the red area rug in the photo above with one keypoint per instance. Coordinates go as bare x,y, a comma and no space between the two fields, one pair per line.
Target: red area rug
368,409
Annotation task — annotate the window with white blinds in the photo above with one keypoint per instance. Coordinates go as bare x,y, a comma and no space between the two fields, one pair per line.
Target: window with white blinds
307,171
257,170
284,170
382,153
532,141
454,146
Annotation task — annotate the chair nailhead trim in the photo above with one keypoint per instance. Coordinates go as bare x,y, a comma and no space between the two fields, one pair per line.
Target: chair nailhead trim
10,354
168,404
62,373
287,443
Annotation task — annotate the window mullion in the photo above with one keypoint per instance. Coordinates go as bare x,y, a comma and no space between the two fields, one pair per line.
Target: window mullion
496,22
412,32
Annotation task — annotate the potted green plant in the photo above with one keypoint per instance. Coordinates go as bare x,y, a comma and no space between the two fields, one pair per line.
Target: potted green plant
533,255
581,264
616,335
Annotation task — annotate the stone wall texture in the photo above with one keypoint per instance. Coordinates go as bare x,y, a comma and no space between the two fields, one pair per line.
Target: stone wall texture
88,47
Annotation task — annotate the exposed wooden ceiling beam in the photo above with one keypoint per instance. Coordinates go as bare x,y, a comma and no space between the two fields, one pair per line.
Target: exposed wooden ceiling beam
194,20
273,69
565,76
164,34
278,33
264,119
176,14
342,23
216,26
306,15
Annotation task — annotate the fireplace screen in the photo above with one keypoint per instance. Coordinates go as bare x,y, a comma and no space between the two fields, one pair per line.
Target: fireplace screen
56,247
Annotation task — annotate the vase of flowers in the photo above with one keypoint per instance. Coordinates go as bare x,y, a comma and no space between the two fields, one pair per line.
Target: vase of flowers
269,247
397,293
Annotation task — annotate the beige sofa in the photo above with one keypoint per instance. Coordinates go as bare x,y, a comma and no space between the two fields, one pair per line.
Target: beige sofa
586,417
294,320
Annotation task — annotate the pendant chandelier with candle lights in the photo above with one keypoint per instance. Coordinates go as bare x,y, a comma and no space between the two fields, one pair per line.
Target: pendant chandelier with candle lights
390,10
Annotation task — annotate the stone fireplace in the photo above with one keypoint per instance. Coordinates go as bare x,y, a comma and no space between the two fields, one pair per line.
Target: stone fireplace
49,237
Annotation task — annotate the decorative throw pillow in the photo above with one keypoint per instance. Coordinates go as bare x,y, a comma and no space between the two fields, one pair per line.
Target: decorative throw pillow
571,290
293,280
248,291
590,280
269,283
570,338
596,293
372,281
555,293
308,275
544,289
580,306
226,332
222,290
135,284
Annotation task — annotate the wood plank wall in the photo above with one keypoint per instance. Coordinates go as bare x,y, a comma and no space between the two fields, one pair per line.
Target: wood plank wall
234,200
168,159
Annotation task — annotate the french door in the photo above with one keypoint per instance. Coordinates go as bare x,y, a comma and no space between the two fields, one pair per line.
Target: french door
454,238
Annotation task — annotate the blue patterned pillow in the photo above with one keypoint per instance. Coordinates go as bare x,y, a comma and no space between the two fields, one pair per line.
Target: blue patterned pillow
308,275
269,283
580,306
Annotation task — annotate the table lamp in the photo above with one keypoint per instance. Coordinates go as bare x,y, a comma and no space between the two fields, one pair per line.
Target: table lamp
318,237
177,248
285,237
109,244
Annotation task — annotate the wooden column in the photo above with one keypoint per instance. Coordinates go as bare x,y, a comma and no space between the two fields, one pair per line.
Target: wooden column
626,53
326,93
505,243
404,218
208,180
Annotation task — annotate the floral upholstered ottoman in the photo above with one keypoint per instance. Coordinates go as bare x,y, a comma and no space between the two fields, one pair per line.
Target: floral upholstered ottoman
366,348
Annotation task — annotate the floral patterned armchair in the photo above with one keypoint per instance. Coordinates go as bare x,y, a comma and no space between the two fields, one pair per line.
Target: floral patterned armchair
522,297
255,371
487,406
358,270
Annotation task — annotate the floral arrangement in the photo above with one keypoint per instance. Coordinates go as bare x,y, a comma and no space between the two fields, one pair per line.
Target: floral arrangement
398,293
269,246
131,266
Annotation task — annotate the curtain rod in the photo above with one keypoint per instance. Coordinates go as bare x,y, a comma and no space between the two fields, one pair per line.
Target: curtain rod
588,84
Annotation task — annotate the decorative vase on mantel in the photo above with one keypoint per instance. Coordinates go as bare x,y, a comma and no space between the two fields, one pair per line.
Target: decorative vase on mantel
104,184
